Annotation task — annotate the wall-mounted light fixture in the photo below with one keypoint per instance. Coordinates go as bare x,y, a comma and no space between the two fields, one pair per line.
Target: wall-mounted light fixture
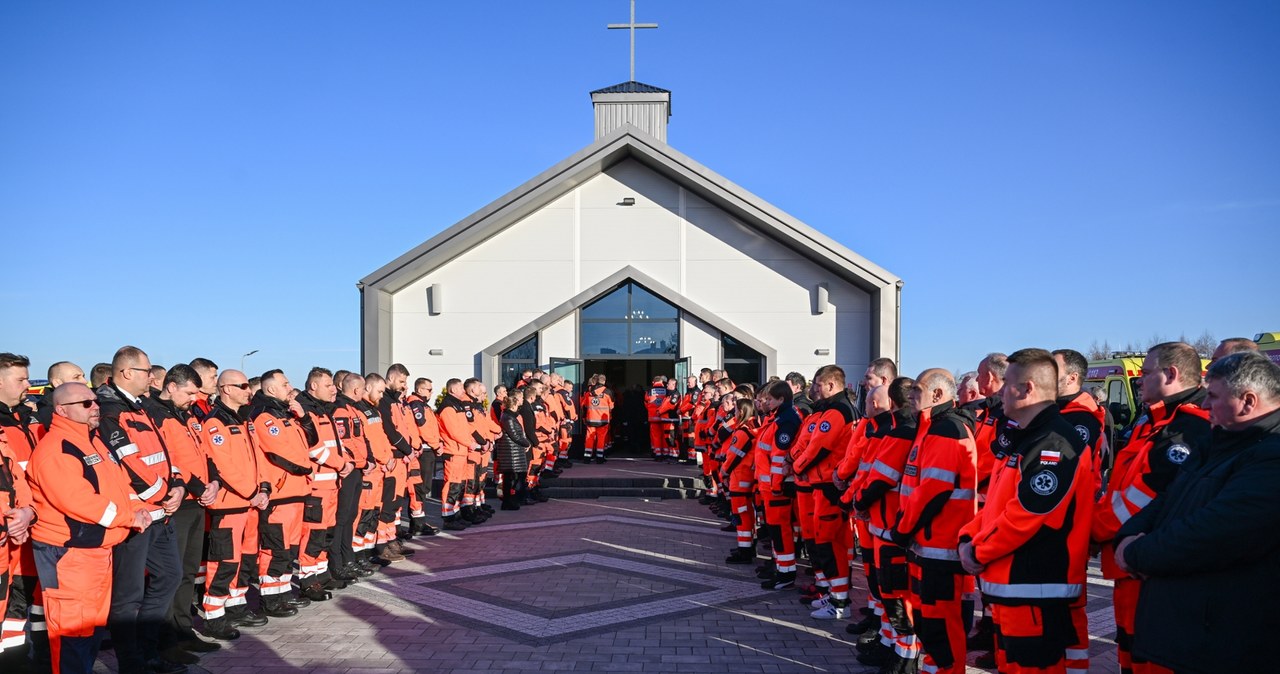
435,298
627,201
436,352
822,293
822,352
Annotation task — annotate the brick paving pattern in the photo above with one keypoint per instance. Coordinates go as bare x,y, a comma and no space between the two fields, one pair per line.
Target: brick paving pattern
606,585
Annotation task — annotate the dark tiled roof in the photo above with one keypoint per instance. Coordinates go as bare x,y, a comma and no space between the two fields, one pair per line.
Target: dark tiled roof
632,87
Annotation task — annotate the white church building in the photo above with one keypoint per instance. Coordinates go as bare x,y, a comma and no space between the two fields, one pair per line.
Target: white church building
641,261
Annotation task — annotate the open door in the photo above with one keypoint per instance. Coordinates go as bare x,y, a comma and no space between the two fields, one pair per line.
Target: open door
683,366
570,369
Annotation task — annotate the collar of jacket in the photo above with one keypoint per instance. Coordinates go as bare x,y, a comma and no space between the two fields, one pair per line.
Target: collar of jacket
450,401
941,409
343,401
1078,402
71,428
883,421
1225,441
165,407
388,394
311,404
108,394
262,402
903,417
1167,407
220,408
10,416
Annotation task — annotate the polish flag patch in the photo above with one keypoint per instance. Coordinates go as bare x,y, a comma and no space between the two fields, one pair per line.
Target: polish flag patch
1050,458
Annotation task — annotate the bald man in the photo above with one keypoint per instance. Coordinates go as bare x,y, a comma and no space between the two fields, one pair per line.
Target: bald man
938,496
1232,345
59,373
85,509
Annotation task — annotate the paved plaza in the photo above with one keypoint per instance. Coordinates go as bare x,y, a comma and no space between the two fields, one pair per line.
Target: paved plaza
601,585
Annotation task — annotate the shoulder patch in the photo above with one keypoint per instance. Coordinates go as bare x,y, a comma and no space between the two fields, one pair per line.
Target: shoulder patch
274,430
92,459
217,439
824,426
1084,433
1179,453
1044,483
195,427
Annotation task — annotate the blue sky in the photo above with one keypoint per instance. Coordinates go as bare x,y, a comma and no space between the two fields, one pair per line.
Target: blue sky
211,178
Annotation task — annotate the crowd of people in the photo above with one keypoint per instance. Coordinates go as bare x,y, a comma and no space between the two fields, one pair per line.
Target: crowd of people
147,496
1000,488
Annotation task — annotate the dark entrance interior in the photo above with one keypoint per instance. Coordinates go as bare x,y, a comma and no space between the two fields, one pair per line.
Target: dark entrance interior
629,379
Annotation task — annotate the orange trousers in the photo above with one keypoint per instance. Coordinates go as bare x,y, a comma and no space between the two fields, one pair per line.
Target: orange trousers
77,598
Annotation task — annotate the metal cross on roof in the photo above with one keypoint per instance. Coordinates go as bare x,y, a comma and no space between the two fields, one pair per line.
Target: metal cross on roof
632,27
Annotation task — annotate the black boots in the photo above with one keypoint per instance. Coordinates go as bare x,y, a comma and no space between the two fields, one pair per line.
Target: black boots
741,556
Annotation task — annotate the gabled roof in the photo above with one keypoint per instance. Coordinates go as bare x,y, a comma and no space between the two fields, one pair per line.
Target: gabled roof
628,142
632,87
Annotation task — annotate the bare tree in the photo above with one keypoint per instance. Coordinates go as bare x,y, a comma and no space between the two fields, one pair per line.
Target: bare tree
1099,352
1205,344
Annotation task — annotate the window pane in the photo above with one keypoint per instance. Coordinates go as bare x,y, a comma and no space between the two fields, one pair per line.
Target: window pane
655,337
613,305
526,350
511,372
645,304
604,338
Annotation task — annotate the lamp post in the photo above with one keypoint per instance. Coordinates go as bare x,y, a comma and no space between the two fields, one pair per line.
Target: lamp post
246,356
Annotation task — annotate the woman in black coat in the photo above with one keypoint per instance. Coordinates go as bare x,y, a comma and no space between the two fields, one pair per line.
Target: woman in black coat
511,453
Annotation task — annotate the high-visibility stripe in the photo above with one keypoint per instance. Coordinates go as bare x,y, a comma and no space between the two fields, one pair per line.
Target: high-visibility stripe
108,515
152,490
962,494
1077,654
906,489
330,443
320,455
785,558
778,459
157,515
128,450
884,469
1119,509
938,474
153,459
1137,497
23,464
778,470
878,532
321,477
1031,590
948,554
15,640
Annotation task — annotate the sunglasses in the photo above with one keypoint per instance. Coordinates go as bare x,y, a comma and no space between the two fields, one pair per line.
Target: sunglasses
83,403
243,386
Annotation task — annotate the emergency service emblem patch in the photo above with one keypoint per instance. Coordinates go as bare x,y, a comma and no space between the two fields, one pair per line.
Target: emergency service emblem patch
1179,453
1084,433
825,426
912,456
275,430
217,439
1003,441
1044,483
92,459
812,426
783,438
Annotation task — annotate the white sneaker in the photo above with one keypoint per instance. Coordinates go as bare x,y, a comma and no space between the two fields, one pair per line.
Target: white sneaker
831,612
821,602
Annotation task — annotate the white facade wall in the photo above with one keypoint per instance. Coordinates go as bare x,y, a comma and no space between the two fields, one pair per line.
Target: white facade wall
764,289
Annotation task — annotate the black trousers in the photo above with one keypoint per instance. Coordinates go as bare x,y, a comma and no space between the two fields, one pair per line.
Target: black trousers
188,524
340,551
146,571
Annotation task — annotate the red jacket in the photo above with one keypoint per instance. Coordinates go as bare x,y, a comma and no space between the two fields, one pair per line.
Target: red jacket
939,482
1033,533
81,495
233,459
1173,431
